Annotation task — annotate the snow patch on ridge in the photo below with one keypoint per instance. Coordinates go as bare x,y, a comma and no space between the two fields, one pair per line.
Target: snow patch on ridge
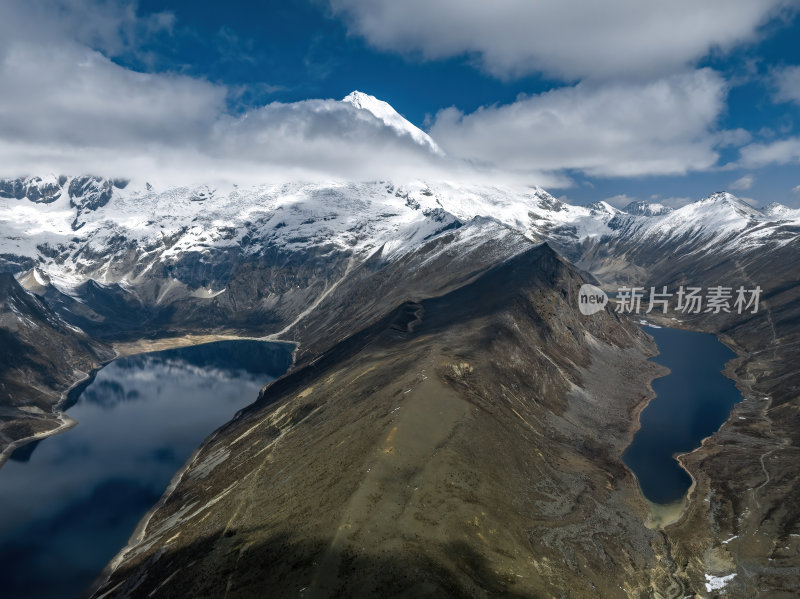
717,583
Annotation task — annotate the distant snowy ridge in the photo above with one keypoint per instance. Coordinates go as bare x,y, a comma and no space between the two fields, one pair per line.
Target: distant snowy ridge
720,222
91,221
89,227
780,212
640,208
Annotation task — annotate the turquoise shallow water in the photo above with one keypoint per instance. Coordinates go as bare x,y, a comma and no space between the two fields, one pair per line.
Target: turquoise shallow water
691,402
70,502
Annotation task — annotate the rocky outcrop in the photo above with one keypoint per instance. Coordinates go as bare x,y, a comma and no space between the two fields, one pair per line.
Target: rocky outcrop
35,189
41,357
87,193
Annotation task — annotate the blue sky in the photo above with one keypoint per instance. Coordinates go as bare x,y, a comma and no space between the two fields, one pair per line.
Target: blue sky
669,102
299,50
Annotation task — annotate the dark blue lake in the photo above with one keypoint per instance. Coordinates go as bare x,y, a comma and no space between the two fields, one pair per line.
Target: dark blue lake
691,402
70,502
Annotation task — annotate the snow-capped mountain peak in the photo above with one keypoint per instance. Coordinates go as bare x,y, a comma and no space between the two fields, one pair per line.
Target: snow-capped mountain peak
780,212
391,118
724,198
602,208
719,196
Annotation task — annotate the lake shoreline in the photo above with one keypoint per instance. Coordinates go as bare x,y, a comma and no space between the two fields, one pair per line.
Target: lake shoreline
636,414
141,528
662,516
157,428
62,422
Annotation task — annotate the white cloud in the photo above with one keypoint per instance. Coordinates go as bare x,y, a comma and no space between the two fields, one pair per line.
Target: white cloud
569,39
784,151
745,182
732,138
76,96
110,26
619,129
787,82
323,135
66,107
796,189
